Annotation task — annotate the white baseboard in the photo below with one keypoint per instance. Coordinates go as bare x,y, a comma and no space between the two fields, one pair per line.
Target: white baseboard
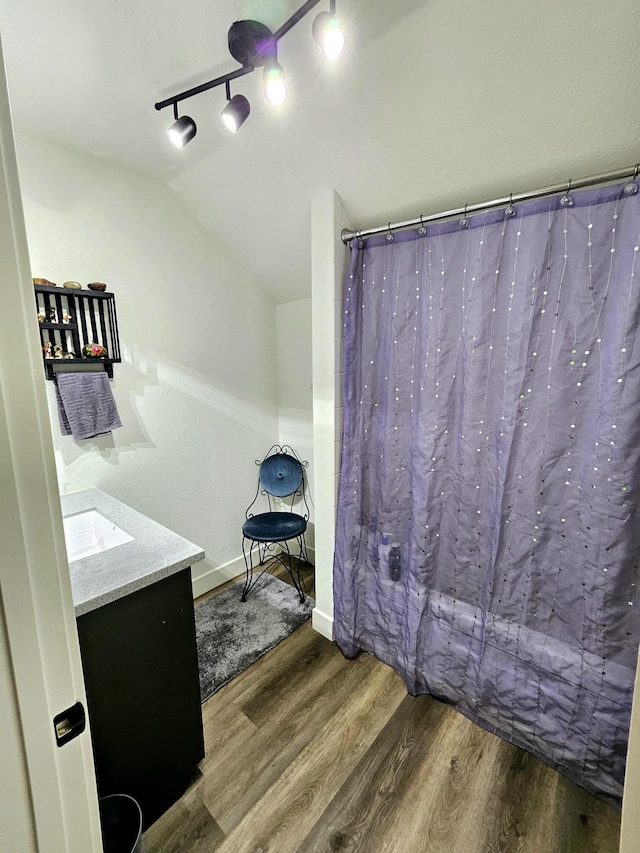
229,571
215,577
322,623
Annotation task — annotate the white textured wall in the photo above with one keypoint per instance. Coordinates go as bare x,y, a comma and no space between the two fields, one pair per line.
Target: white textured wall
197,389
295,388
329,258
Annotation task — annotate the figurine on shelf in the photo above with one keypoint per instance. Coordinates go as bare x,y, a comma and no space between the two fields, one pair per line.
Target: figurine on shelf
94,350
69,355
57,351
46,349
41,317
52,316
66,318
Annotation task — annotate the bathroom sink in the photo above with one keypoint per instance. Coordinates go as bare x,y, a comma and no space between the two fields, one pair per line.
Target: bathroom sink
90,533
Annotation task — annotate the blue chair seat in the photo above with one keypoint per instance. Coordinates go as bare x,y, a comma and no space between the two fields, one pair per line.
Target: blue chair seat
274,526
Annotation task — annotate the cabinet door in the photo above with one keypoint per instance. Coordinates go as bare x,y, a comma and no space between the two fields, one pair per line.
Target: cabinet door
143,695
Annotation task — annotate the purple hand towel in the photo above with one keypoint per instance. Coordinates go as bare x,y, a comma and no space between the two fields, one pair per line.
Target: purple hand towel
86,407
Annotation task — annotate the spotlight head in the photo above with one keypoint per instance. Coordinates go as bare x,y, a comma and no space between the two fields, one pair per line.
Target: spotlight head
275,90
328,35
235,113
182,131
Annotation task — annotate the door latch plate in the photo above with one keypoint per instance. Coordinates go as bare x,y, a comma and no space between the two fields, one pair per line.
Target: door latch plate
69,724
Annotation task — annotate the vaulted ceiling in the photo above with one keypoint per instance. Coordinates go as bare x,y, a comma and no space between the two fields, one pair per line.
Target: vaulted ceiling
434,103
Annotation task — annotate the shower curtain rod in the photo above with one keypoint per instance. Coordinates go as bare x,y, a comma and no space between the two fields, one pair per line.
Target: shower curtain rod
605,177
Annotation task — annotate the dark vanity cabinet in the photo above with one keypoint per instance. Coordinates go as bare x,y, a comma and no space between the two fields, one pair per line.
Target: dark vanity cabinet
143,695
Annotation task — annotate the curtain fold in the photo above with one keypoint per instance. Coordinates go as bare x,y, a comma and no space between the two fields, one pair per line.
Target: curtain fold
488,540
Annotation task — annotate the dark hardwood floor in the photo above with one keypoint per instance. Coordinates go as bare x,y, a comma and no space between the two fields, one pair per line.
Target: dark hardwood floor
308,751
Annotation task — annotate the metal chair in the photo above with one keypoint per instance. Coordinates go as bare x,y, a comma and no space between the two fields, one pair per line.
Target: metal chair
281,476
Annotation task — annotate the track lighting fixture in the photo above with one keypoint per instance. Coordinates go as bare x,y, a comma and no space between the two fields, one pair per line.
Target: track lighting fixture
253,45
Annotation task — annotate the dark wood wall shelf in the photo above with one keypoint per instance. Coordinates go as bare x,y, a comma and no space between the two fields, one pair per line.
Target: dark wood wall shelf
93,320
62,326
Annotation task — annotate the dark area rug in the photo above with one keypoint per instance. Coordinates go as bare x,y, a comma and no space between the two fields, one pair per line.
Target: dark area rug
232,634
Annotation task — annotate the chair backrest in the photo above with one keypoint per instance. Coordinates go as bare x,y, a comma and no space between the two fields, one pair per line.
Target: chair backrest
281,475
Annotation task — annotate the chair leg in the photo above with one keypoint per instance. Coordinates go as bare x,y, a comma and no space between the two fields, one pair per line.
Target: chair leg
248,567
302,557
248,547
255,558
289,567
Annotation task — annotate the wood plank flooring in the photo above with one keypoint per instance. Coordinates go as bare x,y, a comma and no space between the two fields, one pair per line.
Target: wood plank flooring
308,751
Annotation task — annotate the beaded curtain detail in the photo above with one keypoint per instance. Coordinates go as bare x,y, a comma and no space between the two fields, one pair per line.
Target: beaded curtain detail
488,539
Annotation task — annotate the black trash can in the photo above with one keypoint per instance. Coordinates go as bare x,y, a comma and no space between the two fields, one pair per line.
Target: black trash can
121,822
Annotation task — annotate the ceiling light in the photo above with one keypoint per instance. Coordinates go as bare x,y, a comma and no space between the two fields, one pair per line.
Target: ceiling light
182,131
235,113
253,45
328,35
275,90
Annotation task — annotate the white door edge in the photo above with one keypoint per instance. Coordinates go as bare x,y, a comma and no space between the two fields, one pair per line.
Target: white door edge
38,639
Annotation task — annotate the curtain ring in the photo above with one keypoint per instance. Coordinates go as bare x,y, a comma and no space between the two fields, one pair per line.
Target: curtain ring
422,229
632,187
360,240
510,210
566,200
389,235
464,222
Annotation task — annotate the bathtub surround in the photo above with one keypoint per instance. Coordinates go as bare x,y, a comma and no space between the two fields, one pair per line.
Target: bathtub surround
232,634
491,430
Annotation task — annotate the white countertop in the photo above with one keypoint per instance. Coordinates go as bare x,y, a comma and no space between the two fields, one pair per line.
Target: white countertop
155,553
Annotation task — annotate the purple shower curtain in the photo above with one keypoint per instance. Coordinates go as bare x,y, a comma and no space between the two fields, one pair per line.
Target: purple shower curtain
488,539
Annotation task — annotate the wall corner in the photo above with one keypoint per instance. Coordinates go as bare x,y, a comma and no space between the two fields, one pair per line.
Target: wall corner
329,258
